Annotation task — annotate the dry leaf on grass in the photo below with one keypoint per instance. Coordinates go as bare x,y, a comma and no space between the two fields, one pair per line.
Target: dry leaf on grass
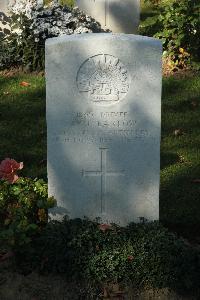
194,104
24,83
42,162
196,180
178,132
22,92
181,158
5,256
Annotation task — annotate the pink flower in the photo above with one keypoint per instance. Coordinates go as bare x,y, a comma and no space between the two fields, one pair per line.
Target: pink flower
104,227
8,169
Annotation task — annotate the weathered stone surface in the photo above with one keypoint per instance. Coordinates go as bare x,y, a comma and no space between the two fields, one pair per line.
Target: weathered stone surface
116,15
103,120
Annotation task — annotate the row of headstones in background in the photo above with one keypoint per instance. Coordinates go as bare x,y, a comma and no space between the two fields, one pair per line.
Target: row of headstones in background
120,16
103,121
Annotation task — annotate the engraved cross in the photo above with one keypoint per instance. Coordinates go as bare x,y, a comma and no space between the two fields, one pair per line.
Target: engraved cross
103,174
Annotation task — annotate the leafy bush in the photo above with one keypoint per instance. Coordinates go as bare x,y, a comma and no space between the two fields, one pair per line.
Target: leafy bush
7,54
31,25
29,50
23,210
140,254
178,26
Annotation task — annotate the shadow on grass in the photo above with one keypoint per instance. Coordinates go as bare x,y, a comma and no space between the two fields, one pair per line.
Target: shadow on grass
180,160
187,106
167,159
23,126
181,109
179,199
179,86
171,87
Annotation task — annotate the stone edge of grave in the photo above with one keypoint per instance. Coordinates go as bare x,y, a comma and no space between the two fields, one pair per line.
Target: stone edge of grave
87,36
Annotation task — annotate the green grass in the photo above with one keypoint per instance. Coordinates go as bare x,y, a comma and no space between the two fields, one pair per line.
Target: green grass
22,122
23,137
180,155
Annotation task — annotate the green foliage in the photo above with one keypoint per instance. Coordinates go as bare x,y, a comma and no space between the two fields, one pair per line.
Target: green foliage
28,48
178,26
140,254
67,2
25,45
61,2
8,57
23,210
20,47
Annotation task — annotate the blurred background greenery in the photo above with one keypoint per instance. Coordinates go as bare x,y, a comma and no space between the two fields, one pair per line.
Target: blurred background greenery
62,2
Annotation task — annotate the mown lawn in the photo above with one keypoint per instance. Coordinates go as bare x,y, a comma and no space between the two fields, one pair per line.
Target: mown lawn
22,122
23,137
180,152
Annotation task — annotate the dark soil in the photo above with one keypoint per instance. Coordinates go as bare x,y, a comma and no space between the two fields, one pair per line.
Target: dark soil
15,286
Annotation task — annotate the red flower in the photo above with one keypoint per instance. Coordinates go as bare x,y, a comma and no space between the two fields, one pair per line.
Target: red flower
8,169
130,257
104,227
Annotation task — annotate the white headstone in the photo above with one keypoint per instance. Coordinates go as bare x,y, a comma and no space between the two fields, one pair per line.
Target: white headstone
120,16
103,121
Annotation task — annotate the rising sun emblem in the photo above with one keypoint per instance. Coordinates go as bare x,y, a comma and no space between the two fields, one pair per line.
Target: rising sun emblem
103,79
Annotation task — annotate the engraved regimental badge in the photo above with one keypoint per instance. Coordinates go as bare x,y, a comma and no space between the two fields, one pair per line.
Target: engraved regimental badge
103,79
